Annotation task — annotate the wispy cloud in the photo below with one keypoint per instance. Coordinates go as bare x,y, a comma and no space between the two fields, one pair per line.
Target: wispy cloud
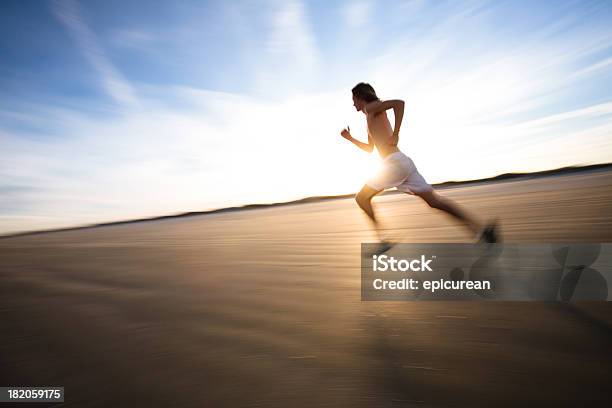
596,68
132,38
69,14
590,112
357,14
291,35
292,56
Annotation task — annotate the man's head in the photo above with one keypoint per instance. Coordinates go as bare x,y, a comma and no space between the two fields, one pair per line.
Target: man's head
363,93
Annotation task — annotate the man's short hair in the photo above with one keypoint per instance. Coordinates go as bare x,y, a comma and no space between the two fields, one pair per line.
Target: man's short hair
365,91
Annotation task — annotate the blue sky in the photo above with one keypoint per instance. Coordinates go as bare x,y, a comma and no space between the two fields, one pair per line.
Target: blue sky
113,110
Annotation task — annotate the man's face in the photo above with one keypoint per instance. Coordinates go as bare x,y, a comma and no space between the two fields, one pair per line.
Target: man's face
358,103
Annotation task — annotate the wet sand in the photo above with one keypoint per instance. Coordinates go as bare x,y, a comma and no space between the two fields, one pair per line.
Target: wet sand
261,308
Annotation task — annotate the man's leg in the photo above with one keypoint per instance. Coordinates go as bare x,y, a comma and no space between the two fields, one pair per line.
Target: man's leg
444,204
364,200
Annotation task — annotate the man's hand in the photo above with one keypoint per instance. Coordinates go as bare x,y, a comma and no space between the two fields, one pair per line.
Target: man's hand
366,147
346,133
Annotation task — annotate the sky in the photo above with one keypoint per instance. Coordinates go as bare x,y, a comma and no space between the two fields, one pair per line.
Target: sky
113,110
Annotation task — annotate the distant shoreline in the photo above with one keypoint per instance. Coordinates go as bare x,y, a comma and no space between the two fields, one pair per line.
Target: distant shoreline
447,184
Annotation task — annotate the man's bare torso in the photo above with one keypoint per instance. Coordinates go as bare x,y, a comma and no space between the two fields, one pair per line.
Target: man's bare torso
380,130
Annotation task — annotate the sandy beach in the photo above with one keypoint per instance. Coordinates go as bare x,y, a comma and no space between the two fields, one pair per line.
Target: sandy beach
261,308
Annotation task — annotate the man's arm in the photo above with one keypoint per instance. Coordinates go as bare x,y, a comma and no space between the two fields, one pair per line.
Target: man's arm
367,147
398,111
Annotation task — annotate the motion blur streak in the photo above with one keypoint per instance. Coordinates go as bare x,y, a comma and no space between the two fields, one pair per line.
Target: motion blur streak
262,308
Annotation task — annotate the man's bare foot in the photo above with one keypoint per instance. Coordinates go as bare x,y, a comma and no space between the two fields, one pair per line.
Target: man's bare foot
489,233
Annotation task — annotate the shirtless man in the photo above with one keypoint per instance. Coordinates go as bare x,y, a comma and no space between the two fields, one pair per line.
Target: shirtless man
398,169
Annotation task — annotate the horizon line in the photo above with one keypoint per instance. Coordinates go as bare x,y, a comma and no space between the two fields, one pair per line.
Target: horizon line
446,184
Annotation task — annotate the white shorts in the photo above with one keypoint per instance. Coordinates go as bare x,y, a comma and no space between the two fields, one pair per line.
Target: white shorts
398,170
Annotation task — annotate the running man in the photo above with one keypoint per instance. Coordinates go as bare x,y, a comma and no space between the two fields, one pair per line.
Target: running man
398,170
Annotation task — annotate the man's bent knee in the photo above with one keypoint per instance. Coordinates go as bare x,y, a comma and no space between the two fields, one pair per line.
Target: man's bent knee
364,196
362,200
